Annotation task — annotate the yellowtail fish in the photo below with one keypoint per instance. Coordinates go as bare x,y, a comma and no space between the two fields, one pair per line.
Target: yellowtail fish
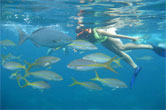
36,84
76,45
9,57
89,85
85,65
110,82
7,43
43,62
47,75
145,58
13,65
101,58
97,57
82,45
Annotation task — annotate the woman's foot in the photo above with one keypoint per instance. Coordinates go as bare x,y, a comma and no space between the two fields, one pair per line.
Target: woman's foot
136,72
159,50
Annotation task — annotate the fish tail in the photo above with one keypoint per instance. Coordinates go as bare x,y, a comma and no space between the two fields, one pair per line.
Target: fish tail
66,50
22,36
49,51
18,81
14,74
75,82
117,61
29,65
3,59
19,57
107,65
97,76
26,71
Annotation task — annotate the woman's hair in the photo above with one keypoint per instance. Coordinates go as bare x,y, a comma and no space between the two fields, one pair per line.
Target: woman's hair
82,33
86,34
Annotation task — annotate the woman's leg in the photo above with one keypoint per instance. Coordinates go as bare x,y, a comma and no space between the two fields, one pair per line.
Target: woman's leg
114,45
117,43
130,46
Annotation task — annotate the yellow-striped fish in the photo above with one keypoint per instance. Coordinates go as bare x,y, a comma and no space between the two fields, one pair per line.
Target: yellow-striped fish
47,75
110,82
36,84
7,43
13,65
85,65
89,85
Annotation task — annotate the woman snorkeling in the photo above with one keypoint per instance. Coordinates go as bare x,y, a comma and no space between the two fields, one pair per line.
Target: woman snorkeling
112,41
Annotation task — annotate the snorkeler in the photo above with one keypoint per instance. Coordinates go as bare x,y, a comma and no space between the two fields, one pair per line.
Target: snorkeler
111,40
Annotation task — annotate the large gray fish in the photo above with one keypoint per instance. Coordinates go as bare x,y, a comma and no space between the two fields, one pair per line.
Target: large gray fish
47,37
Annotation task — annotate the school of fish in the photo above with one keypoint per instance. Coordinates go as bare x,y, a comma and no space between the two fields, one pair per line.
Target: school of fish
23,71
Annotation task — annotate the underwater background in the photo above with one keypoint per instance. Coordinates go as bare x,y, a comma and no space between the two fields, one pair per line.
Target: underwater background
131,17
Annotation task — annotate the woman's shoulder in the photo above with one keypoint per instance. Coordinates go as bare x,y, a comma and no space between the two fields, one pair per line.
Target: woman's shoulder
109,30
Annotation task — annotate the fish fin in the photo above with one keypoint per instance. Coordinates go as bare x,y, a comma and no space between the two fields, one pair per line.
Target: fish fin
97,76
75,82
18,77
54,41
26,81
3,59
75,50
22,36
37,30
107,64
49,67
37,45
29,65
66,50
19,57
27,69
14,74
47,64
5,47
49,51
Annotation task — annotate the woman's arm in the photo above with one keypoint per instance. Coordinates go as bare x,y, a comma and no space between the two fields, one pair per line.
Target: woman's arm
109,34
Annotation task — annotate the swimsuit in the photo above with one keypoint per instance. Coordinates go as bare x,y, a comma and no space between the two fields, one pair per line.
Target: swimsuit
93,36
98,37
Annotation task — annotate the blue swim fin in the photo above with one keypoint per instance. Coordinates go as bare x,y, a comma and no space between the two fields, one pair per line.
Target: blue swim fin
159,50
136,72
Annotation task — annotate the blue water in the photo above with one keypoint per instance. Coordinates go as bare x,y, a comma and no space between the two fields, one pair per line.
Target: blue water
133,18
